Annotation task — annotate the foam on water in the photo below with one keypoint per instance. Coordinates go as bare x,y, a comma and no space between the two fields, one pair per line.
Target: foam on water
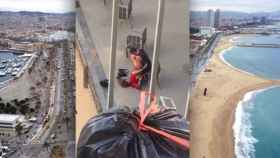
247,139
242,129
234,39
244,141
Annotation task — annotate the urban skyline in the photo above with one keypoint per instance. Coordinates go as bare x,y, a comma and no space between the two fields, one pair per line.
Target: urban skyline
46,6
248,6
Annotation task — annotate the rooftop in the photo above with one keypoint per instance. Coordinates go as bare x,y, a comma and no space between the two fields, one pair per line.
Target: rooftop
9,118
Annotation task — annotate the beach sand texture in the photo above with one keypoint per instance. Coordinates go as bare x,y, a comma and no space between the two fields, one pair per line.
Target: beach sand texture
212,116
85,106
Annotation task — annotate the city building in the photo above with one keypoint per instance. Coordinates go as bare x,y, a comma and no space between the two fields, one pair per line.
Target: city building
264,20
8,124
207,31
217,19
210,18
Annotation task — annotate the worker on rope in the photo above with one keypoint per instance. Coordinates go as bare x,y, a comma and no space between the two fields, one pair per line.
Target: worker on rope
140,74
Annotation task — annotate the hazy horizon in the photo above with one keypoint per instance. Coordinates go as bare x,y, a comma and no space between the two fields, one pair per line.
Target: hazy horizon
235,11
46,6
246,6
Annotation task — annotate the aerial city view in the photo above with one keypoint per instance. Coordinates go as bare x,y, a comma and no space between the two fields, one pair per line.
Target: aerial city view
37,78
235,49
139,78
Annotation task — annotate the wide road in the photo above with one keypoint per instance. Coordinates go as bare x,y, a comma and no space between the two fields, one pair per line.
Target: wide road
34,147
58,99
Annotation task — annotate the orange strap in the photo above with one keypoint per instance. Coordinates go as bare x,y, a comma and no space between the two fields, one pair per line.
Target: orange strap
152,109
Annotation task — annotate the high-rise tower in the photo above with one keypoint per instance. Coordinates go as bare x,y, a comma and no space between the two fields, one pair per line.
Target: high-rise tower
210,18
217,19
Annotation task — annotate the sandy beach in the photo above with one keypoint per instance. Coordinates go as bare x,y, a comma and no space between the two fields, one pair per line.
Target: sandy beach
212,116
85,106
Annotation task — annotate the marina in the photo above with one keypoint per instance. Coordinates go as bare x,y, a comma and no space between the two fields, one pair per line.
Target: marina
11,64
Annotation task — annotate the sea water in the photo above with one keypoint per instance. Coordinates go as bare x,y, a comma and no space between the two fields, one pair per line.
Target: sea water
263,62
256,127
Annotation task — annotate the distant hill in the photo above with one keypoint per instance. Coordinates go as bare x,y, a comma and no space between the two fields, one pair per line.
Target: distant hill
30,13
276,14
236,14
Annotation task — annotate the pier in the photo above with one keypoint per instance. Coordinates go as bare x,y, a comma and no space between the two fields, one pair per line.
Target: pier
260,30
258,45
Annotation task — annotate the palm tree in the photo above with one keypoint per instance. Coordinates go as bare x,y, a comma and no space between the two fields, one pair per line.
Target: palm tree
19,129
57,152
47,146
2,106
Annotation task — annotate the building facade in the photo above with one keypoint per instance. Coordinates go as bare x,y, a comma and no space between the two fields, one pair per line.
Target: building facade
8,125
207,31
210,18
217,18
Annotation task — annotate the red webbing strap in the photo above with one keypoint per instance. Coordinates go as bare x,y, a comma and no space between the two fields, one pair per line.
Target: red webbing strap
152,109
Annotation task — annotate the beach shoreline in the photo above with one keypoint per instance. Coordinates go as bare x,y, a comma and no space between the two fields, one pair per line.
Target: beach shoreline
212,116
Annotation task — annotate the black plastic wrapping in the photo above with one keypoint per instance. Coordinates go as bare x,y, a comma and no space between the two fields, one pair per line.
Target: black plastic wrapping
116,135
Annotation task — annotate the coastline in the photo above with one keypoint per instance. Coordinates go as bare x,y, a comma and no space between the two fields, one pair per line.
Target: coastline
212,116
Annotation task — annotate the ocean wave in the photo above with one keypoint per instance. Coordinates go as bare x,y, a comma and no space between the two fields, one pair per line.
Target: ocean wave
234,39
242,128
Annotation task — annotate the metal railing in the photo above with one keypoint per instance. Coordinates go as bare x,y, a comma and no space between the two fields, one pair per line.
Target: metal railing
156,50
115,17
115,9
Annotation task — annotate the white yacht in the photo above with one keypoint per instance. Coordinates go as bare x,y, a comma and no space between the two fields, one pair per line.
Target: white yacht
9,70
2,73
4,61
2,66
14,73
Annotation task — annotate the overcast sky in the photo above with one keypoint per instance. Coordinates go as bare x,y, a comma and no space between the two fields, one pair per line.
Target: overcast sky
237,5
51,6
